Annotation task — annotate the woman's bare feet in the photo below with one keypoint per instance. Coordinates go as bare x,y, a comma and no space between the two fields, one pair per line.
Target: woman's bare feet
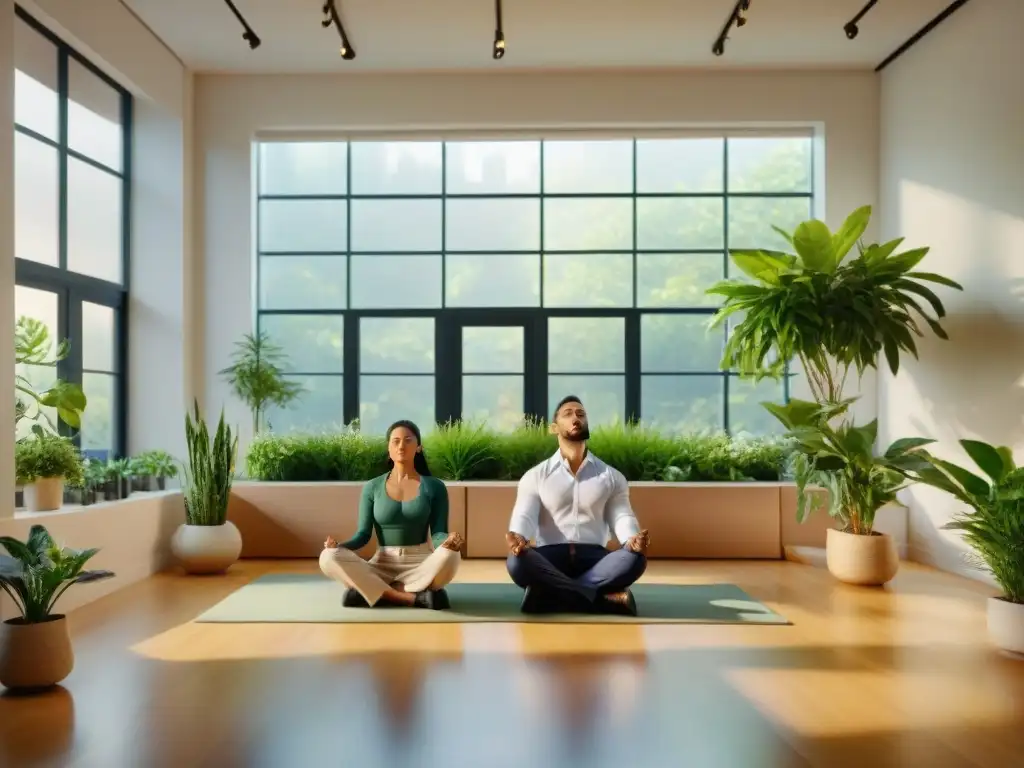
395,594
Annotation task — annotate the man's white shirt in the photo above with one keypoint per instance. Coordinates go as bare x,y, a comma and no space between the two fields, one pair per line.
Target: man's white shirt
553,506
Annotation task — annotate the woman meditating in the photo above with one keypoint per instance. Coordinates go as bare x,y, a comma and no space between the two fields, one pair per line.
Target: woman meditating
408,510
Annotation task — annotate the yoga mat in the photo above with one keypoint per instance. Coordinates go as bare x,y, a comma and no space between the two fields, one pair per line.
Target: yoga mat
306,598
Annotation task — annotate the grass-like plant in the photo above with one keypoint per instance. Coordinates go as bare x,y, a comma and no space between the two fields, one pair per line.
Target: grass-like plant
210,470
459,451
994,524
36,572
45,455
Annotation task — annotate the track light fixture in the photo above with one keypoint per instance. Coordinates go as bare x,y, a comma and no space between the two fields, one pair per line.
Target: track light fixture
248,34
850,28
499,36
331,16
736,18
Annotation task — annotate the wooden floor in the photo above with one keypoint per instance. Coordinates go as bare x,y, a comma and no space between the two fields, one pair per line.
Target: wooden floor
864,678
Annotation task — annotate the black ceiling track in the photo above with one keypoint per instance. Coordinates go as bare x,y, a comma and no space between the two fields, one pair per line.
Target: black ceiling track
922,32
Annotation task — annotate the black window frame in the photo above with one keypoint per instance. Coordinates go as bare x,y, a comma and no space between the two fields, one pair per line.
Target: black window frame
73,288
448,321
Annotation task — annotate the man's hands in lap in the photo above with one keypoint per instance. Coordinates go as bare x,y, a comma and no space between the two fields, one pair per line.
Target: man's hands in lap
639,542
516,543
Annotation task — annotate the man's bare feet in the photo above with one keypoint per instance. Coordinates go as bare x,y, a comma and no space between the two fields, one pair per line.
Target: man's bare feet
621,602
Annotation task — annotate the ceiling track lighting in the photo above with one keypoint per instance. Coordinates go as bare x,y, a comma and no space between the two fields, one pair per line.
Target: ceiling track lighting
736,18
850,28
248,34
499,36
330,11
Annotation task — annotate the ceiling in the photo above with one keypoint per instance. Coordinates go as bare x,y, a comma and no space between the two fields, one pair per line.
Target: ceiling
416,35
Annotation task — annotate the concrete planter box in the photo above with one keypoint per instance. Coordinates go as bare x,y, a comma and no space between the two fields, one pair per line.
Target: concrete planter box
687,520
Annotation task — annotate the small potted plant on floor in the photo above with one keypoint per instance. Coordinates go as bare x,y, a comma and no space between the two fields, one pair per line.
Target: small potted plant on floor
44,464
993,526
842,460
207,542
35,648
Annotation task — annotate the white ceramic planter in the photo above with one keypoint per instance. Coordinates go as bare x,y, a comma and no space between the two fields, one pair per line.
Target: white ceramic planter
1006,624
35,655
46,494
868,561
207,548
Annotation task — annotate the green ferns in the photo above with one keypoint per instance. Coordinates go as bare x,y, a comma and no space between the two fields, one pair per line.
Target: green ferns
210,470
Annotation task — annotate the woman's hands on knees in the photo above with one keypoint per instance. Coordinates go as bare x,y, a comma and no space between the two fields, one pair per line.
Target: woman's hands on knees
454,542
330,543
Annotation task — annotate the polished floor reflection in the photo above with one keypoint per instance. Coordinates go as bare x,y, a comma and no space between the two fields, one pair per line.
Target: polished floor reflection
895,677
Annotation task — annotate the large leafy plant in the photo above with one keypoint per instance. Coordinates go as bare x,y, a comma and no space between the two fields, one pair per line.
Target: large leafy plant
831,313
842,460
210,470
36,572
994,526
32,346
256,375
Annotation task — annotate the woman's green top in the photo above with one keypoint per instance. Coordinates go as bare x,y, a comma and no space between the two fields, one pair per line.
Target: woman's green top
402,523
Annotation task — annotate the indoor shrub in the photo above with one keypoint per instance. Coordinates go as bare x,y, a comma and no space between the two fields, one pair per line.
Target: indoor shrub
46,455
842,459
256,376
994,524
832,313
470,452
38,572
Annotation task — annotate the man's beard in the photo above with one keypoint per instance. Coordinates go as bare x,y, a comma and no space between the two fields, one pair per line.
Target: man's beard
578,437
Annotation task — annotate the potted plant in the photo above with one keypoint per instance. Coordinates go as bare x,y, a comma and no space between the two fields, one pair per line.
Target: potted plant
993,526
842,460
208,542
35,648
161,465
836,310
44,464
256,375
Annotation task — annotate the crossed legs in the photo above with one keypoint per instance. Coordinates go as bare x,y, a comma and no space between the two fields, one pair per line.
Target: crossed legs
373,578
574,579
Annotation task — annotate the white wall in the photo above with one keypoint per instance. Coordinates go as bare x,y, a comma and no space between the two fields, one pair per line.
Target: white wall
160,331
6,254
231,110
952,177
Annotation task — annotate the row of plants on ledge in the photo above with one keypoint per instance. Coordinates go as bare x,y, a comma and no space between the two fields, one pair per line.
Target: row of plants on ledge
465,451
53,471
48,465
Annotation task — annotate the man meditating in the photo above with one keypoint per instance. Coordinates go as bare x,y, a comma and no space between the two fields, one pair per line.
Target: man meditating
407,508
568,504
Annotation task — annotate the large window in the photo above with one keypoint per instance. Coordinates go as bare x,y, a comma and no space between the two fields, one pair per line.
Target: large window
487,279
71,232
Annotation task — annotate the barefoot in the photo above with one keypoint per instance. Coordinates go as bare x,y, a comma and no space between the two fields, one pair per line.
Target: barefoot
621,602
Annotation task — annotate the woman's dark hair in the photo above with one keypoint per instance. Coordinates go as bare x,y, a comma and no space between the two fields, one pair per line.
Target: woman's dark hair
419,461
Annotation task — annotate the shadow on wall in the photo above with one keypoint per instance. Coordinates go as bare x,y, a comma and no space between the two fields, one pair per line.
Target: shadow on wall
969,387
973,385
